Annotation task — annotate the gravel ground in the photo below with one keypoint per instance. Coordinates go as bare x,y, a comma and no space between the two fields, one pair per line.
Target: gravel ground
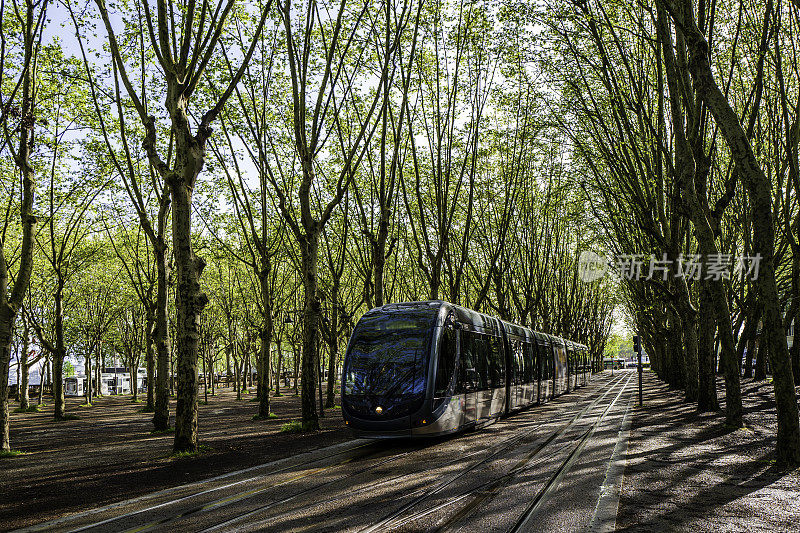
688,472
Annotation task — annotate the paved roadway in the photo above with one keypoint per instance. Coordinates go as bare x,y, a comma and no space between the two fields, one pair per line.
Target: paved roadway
555,467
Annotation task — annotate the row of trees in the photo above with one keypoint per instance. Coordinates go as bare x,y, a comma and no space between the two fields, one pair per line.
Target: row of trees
684,121
363,153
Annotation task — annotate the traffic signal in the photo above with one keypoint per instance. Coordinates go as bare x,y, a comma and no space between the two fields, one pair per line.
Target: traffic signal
637,343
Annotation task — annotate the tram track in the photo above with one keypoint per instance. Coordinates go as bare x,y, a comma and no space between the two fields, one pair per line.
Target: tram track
353,456
265,522
367,488
399,517
524,522
483,493
494,451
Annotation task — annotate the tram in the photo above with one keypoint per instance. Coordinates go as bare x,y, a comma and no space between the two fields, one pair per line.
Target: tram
433,368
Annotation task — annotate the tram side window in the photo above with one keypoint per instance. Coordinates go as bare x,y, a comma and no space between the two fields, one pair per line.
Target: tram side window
467,375
481,360
497,375
529,358
547,361
516,363
447,362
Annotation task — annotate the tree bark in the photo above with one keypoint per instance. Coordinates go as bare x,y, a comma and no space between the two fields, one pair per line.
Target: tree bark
707,393
794,313
761,358
24,368
161,338
296,362
5,357
189,299
278,369
265,349
24,396
748,363
150,359
88,372
311,318
332,364
59,354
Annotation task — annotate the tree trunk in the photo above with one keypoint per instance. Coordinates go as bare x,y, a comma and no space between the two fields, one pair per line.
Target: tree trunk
205,382
690,357
248,376
265,350
675,352
311,318
245,371
733,391
278,370
189,303
707,393
379,256
150,359
161,339
228,364
59,355
795,351
748,362
236,381
88,372
333,344
134,371
189,298
23,368
761,358
748,341
24,396
5,358
794,313
98,369
332,364
296,361
40,401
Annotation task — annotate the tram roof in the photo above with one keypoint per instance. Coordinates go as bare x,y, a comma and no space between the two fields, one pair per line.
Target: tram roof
474,318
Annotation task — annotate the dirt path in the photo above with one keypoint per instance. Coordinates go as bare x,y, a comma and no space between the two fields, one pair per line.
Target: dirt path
110,454
688,472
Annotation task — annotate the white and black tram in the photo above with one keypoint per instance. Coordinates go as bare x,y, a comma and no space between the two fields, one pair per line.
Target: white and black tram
433,368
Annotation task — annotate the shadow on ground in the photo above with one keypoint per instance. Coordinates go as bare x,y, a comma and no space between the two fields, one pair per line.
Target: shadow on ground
688,471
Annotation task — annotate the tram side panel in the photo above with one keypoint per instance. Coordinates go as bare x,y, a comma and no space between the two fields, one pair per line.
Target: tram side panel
545,366
530,385
560,379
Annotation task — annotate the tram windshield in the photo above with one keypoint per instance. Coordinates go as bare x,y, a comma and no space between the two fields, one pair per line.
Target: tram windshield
388,357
